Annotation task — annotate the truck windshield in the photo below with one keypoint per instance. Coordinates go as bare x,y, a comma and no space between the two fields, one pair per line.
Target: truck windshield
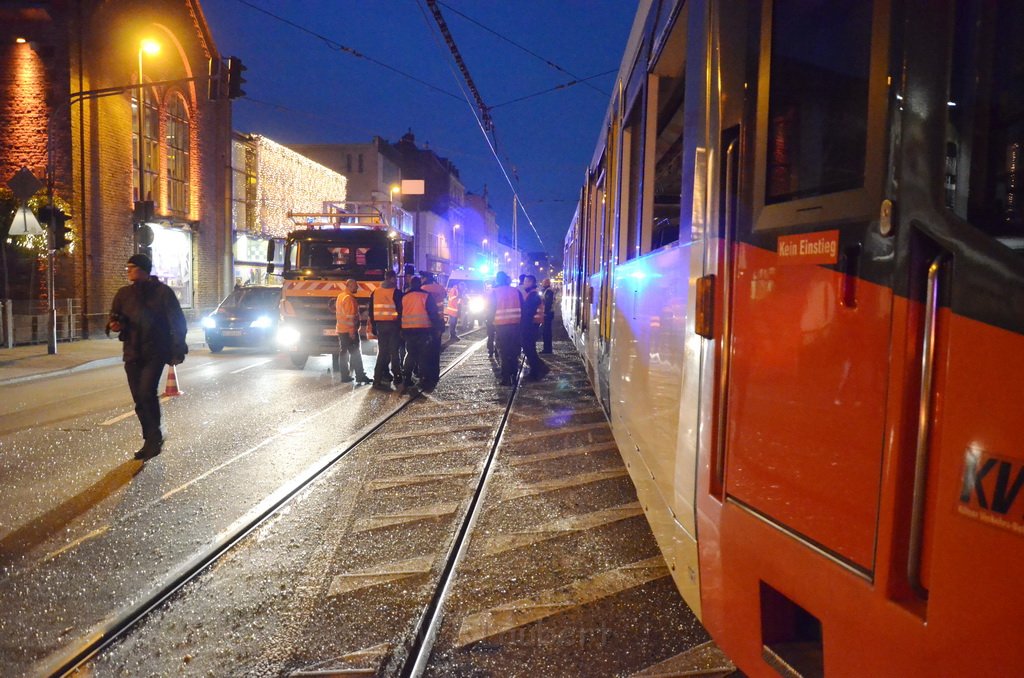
344,259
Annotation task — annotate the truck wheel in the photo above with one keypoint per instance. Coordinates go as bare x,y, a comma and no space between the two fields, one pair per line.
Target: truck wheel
298,359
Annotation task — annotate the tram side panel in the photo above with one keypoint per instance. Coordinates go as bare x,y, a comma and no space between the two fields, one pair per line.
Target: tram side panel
648,363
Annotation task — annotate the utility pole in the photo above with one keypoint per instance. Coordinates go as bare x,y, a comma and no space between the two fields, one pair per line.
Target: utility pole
515,231
51,335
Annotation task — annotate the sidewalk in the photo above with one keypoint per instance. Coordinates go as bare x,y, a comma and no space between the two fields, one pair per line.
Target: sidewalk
25,363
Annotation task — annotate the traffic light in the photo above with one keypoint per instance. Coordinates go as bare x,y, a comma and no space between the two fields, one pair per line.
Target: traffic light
54,219
213,91
235,78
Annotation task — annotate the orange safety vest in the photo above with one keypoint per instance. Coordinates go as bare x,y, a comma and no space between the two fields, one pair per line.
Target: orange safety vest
438,294
414,310
383,300
346,314
453,303
507,305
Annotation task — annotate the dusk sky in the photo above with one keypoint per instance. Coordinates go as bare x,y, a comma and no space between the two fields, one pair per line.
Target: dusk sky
304,88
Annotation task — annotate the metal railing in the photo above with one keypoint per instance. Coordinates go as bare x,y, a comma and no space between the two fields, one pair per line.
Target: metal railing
25,322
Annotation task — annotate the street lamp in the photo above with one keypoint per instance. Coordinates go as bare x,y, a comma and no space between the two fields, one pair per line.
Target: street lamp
395,188
150,47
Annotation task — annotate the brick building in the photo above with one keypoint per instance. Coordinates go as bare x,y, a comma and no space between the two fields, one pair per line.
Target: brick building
69,111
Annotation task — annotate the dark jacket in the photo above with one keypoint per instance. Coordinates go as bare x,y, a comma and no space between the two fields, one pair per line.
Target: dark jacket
531,303
152,324
549,302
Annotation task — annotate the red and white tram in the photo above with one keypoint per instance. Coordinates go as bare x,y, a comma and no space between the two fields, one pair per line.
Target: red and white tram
797,277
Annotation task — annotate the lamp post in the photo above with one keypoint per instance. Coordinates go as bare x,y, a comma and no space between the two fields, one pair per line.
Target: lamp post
147,46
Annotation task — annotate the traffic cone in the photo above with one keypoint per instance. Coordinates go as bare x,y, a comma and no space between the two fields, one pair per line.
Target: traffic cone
171,389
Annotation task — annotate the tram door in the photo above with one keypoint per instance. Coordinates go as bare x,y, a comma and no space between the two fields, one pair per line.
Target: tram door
811,282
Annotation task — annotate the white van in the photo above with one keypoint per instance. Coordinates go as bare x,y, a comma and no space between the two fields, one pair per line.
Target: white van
474,288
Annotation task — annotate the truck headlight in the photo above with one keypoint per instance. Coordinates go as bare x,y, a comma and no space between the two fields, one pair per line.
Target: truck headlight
288,336
477,304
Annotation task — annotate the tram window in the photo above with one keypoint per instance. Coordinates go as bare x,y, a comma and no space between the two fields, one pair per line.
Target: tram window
668,163
985,135
634,147
818,98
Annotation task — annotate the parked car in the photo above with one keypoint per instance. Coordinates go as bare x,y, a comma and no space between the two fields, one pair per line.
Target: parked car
247,317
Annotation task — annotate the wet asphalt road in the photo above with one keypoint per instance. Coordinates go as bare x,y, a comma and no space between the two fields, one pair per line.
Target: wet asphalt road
559,576
86,530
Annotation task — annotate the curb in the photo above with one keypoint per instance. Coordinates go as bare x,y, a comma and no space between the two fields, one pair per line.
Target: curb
90,365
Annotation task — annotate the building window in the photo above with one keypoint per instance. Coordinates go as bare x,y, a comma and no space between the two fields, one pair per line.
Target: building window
360,163
177,157
348,163
151,130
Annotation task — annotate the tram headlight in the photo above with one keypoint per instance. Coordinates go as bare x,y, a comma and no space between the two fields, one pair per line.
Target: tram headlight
477,304
288,336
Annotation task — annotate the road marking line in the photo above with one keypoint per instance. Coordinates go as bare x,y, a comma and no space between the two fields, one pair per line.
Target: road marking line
121,417
544,604
249,367
422,433
387,483
415,515
72,544
447,416
563,483
521,459
440,449
389,572
562,526
583,428
118,418
705,660
232,460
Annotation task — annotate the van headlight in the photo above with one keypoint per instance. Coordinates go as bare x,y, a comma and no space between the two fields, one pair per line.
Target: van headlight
262,323
209,323
477,304
288,336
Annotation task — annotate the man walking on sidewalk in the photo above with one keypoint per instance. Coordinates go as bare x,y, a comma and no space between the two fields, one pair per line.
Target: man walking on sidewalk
148,320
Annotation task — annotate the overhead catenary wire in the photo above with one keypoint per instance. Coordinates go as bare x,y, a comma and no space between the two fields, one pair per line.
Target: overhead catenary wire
491,143
334,44
549,62
564,85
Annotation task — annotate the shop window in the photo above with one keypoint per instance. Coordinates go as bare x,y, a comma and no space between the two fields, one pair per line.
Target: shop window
985,137
150,145
818,98
177,157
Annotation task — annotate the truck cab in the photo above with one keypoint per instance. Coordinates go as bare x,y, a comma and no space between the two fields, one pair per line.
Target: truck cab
354,242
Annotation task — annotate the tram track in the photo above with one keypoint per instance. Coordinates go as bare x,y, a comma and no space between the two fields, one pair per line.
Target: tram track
75,657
